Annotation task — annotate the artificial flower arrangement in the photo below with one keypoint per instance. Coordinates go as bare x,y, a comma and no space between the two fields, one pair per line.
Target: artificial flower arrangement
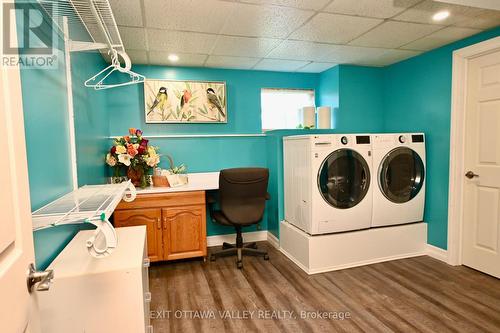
133,153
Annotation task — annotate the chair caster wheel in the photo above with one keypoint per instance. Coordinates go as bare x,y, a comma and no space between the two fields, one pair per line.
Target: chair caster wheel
212,257
239,264
266,257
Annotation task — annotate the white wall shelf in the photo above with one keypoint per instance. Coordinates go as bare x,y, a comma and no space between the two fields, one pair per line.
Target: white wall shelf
173,136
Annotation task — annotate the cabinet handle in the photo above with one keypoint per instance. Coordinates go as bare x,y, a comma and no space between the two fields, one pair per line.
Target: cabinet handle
165,223
158,223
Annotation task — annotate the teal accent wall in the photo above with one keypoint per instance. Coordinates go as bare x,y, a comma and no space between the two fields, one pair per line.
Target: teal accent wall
126,109
361,107
328,94
417,98
47,138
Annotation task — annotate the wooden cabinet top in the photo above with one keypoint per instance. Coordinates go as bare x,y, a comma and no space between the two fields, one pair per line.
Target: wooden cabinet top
160,200
202,181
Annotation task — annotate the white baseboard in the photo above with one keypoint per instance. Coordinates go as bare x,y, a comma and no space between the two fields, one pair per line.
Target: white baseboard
273,240
350,265
252,236
436,253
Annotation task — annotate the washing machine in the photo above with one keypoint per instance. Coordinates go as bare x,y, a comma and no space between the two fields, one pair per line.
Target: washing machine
399,180
327,181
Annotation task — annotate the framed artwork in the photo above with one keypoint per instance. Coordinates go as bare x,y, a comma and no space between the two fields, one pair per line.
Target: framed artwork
168,101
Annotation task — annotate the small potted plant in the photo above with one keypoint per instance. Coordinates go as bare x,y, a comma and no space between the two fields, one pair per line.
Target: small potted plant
134,154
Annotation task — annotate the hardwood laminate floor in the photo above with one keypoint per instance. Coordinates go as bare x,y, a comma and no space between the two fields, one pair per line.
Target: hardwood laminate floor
419,294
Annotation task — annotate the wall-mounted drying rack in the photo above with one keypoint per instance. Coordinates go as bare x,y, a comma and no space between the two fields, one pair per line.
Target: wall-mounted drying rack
98,19
89,204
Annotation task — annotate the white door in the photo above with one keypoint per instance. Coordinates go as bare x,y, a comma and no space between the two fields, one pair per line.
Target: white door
481,228
18,308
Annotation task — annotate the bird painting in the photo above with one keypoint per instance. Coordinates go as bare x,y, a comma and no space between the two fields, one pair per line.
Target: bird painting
179,101
214,101
186,96
160,101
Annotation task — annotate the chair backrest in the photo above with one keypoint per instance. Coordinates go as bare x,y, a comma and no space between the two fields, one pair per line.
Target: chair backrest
242,193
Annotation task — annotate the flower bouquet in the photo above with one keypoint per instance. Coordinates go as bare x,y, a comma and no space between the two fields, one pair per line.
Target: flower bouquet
134,154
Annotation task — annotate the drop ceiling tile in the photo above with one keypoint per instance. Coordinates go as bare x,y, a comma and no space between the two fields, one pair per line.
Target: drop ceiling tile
301,50
133,38
346,54
137,56
280,65
182,42
488,19
370,8
389,57
316,67
190,15
244,46
127,12
333,28
185,59
231,62
392,34
439,38
302,4
423,12
264,21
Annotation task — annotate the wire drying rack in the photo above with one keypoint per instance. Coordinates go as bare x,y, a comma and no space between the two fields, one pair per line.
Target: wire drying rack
89,204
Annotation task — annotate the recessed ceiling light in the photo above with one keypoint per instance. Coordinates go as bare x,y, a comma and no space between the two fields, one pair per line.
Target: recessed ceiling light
439,16
173,57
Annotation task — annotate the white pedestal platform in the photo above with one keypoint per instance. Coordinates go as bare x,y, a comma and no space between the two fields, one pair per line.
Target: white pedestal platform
323,253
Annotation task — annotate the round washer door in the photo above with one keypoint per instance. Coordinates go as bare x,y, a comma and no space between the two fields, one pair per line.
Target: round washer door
344,178
401,175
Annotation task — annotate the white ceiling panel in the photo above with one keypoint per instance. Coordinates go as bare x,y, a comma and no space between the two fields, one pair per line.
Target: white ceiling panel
264,21
185,59
127,12
486,20
439,38
189,15
345,54
370,8
302,4
182,42
392,34
301,50
133,38
333,28
280,65
389,57
316,67
138,57
231,62
423,12
244,46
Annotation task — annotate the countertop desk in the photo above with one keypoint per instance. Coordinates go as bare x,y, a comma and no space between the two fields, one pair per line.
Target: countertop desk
175,217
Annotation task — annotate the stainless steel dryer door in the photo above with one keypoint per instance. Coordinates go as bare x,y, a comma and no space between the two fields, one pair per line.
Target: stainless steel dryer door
401,175
344,178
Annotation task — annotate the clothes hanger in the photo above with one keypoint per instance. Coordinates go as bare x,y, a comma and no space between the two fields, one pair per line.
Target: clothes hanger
98,80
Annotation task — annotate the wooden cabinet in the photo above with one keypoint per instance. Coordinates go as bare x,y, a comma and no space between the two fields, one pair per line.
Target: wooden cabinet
175,223
151,218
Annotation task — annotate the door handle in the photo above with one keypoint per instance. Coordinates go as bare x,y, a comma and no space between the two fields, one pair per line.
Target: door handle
158,223
165,223
471,175
40,278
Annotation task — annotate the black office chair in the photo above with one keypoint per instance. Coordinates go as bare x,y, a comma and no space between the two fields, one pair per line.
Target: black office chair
242,200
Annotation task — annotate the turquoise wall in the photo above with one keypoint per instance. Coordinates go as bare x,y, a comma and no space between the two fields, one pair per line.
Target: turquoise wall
126,109
47,139
417,98
361,107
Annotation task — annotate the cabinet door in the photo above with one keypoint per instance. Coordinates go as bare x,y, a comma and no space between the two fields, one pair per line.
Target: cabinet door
151,218
184,232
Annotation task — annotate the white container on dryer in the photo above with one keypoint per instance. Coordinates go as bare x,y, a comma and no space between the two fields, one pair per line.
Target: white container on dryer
327,182
399,182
